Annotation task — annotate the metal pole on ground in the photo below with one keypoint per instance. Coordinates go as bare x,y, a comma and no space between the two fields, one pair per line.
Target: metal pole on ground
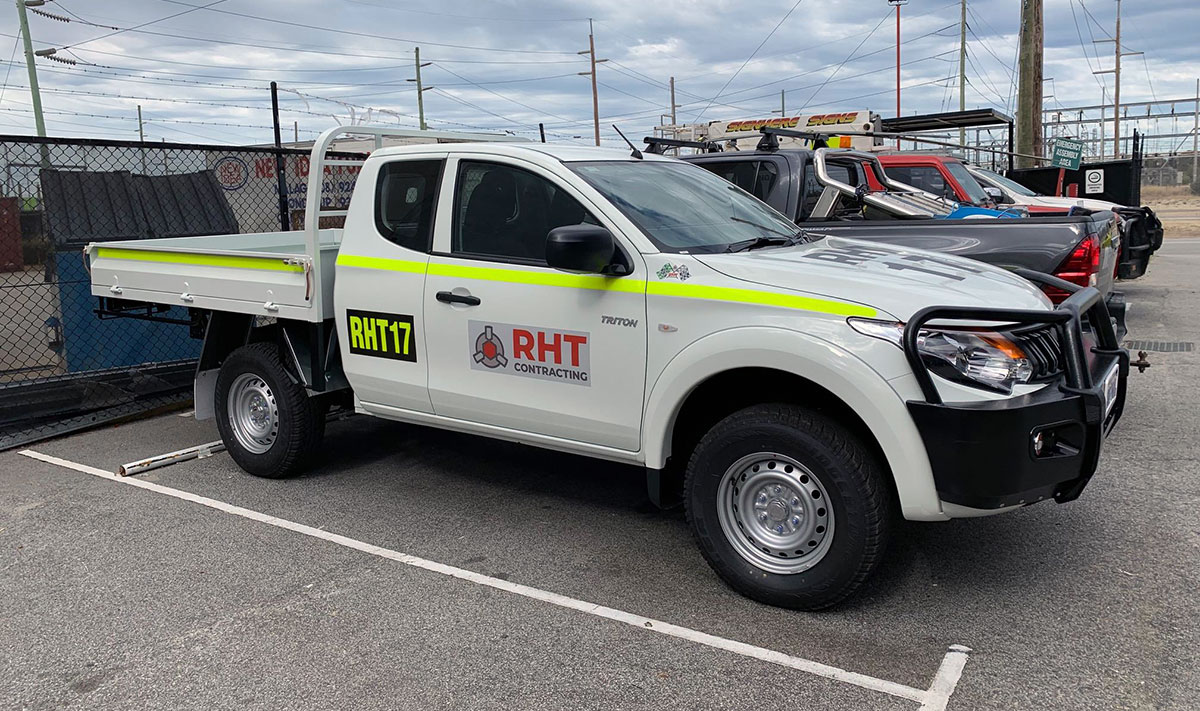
897,4
1196,138
142,138
962,70
1117,89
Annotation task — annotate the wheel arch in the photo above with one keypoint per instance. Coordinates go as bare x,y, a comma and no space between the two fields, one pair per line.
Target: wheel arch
726,371
224,333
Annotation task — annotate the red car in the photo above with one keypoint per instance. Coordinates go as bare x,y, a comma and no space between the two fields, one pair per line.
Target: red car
944,176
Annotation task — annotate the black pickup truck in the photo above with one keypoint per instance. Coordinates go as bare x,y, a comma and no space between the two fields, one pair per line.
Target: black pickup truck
830,191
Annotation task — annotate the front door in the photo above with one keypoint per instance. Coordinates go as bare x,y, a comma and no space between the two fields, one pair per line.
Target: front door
518,345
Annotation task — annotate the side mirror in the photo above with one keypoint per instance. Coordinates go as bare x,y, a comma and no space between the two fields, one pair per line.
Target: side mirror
995,193
586,249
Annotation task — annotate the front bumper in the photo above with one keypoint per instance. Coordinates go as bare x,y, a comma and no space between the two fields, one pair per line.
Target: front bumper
983,453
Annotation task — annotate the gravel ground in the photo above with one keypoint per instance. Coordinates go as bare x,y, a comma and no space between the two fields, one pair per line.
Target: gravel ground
117,597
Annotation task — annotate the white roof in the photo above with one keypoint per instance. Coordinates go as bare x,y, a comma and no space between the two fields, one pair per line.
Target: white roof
562,152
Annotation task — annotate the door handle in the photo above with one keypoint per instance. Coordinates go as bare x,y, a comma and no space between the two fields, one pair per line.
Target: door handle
449,297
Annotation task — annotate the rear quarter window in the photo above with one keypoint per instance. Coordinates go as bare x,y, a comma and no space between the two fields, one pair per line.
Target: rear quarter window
405,197
757,177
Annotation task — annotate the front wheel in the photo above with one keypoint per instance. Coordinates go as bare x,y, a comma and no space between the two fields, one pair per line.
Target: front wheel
788,507
269,424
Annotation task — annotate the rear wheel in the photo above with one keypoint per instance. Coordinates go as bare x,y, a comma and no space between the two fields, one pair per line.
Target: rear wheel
788,506
269,424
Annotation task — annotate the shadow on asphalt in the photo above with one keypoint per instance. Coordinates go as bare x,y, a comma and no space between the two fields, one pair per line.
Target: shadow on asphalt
940,562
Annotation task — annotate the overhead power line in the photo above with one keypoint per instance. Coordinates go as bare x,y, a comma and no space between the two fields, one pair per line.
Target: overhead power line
497,94
774,96
8,71
743,66
847,59
199,102
277,70
476,18
811,47
136,28
134,118
634,74
818,70
368,35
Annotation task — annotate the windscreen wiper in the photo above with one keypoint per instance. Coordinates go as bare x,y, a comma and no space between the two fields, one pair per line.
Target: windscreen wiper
760,242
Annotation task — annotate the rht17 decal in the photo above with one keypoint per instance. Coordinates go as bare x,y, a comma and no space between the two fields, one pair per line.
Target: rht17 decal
382,335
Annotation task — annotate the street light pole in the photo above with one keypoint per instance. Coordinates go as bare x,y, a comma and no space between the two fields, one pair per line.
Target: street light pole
897,4
962,69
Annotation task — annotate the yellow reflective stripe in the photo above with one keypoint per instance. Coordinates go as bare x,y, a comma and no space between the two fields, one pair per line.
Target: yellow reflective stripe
391,265
764,298
512,276
208,260
560,279
620,284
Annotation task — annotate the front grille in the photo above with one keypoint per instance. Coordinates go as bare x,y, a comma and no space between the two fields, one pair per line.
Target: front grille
1043,346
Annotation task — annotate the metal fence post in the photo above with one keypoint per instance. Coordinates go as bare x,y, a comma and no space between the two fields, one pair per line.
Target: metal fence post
285,222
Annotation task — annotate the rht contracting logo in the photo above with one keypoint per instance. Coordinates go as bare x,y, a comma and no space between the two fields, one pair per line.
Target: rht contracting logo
530,351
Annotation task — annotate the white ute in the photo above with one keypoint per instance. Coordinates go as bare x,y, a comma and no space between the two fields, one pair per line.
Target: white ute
802,389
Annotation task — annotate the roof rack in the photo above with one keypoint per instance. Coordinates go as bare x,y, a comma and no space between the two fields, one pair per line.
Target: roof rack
659,145
770,139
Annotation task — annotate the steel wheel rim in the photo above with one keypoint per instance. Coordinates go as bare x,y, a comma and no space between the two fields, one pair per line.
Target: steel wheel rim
253,413
775,513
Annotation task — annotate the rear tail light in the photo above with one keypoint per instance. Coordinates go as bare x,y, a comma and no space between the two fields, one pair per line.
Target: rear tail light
1080,268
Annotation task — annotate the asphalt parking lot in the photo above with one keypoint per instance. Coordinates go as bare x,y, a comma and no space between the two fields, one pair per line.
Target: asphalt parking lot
349,587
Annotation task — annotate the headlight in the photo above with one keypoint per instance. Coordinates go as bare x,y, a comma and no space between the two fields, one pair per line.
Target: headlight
977,357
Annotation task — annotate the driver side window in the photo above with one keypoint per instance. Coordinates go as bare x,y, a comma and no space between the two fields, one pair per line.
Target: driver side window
505,212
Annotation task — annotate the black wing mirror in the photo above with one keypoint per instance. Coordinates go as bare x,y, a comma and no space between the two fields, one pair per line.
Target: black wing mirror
586,249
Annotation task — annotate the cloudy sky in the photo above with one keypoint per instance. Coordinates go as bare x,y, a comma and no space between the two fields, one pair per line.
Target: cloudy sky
200,68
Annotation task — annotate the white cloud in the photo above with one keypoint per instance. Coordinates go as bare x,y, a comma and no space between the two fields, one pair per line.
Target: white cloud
700,43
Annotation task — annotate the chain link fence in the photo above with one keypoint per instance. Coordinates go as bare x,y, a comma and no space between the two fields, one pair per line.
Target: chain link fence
62,366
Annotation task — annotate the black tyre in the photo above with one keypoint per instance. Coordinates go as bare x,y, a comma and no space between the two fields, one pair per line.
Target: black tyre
788,507
269,424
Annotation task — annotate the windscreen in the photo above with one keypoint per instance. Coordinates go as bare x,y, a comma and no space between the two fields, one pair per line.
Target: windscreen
968,182
681,207
1010,185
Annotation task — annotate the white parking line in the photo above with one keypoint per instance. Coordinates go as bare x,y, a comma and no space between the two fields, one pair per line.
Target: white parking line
946,679
934,698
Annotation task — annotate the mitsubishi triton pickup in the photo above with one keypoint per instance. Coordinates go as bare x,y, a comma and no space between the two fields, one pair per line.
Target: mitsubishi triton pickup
807,391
